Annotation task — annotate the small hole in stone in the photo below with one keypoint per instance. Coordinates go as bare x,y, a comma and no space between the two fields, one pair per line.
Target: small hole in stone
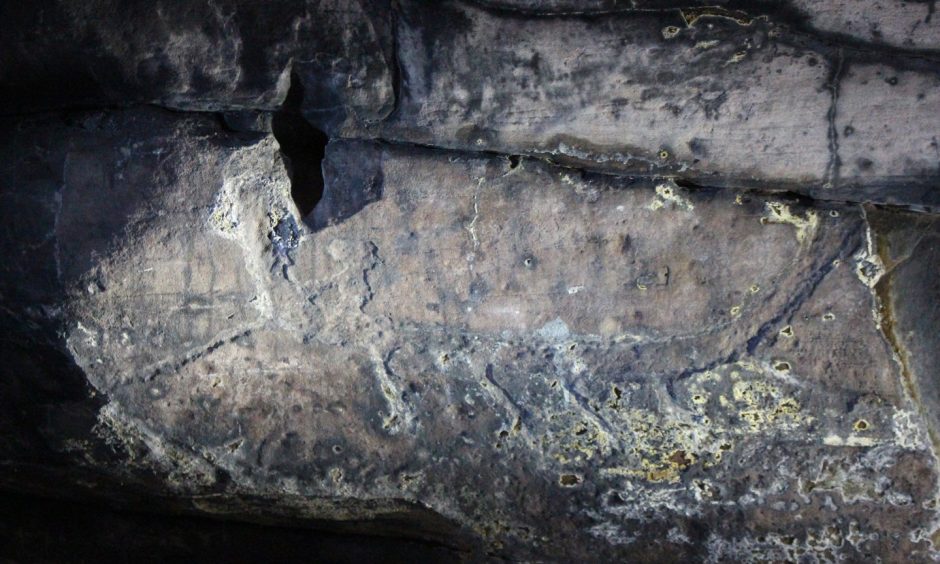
782,366
513,161
569,480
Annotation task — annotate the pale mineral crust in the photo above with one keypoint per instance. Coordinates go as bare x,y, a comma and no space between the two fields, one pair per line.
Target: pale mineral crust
526,280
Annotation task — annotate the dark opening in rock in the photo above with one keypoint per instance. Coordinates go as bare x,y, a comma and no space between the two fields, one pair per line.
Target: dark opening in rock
302,147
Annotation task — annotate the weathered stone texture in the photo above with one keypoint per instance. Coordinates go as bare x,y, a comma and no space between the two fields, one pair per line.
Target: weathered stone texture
760,95
586,282
715,95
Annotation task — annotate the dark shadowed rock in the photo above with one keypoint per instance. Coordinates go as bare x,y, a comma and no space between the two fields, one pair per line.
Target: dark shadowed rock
225,55
908,247
830,100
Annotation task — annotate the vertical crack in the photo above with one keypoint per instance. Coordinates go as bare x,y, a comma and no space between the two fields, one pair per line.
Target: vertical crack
302,147
835,163
395,63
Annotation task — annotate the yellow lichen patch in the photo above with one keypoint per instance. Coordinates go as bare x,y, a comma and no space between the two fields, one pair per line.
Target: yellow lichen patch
669,192
740,399
869,271
223,220
835,440
663,448
785,407
662,475
754,418
752,391
668,467
699,396
764,405
748,365
582,441
735,311
780,213
869,268
754,289
692,15
717,455
861,425
224,216
708,376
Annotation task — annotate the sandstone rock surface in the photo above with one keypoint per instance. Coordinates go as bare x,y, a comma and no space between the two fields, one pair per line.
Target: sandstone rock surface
568,282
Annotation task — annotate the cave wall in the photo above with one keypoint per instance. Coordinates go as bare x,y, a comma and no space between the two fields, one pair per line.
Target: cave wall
501,279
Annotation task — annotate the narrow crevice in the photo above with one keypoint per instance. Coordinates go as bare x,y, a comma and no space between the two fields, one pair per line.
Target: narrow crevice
690,182
302,147
834,165
395,65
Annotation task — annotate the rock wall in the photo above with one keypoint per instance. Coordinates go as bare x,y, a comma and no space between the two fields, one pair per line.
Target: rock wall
502,279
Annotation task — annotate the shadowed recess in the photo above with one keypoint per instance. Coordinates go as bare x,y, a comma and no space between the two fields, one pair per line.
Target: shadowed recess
302,147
